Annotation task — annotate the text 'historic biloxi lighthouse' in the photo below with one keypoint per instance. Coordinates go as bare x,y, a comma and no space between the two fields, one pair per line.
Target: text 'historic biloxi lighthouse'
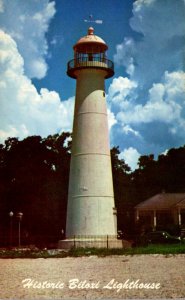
90,210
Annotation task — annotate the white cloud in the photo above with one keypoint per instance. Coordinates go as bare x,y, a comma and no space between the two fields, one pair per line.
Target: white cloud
168,12
121,90
1,6
128,130
166,103
130,156
138,4
124,55
151,101
165,152
24,111
161,47
111,119
9,132
121,85
27,23
38,67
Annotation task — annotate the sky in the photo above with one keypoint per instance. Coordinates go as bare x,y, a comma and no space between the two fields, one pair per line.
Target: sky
146,96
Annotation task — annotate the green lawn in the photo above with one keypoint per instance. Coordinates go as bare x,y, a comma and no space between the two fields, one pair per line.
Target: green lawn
151,249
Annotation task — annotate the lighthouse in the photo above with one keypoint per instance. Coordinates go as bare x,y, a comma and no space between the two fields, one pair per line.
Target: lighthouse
91,210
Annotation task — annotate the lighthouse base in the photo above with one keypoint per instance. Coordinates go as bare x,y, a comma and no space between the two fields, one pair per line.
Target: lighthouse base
108,242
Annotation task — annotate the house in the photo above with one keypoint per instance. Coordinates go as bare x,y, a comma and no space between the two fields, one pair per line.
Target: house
161,211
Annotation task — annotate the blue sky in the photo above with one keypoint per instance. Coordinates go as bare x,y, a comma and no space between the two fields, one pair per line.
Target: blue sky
68,26
146,96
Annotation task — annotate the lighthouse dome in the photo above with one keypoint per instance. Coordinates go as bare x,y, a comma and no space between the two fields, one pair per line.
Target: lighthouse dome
89,42
90,53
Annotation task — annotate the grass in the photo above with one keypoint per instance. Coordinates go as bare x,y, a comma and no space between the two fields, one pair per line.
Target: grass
101,252
151,249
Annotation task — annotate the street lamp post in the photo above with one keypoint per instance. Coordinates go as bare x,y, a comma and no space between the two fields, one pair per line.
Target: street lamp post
19,217
11,216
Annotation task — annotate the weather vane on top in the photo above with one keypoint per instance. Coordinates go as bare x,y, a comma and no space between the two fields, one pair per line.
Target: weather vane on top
93,21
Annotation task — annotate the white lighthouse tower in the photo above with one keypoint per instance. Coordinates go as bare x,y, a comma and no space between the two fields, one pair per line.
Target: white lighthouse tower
91,210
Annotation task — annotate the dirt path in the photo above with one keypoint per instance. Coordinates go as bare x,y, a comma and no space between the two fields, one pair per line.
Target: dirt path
139,276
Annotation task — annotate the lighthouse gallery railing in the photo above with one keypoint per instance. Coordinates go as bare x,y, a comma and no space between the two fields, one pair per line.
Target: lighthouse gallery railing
90,62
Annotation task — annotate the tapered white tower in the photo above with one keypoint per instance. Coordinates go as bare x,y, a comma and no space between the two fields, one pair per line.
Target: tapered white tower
90,210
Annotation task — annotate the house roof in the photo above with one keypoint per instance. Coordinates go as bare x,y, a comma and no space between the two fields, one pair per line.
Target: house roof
162,201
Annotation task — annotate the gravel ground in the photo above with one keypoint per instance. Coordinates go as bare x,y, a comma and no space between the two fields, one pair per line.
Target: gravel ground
115,277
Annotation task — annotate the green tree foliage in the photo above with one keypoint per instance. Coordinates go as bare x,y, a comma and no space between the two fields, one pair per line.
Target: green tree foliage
172,170
34,180
122,188
167,173
34,175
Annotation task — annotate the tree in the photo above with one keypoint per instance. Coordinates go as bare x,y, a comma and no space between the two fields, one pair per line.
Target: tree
34,177
122,186
172,170
36,173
